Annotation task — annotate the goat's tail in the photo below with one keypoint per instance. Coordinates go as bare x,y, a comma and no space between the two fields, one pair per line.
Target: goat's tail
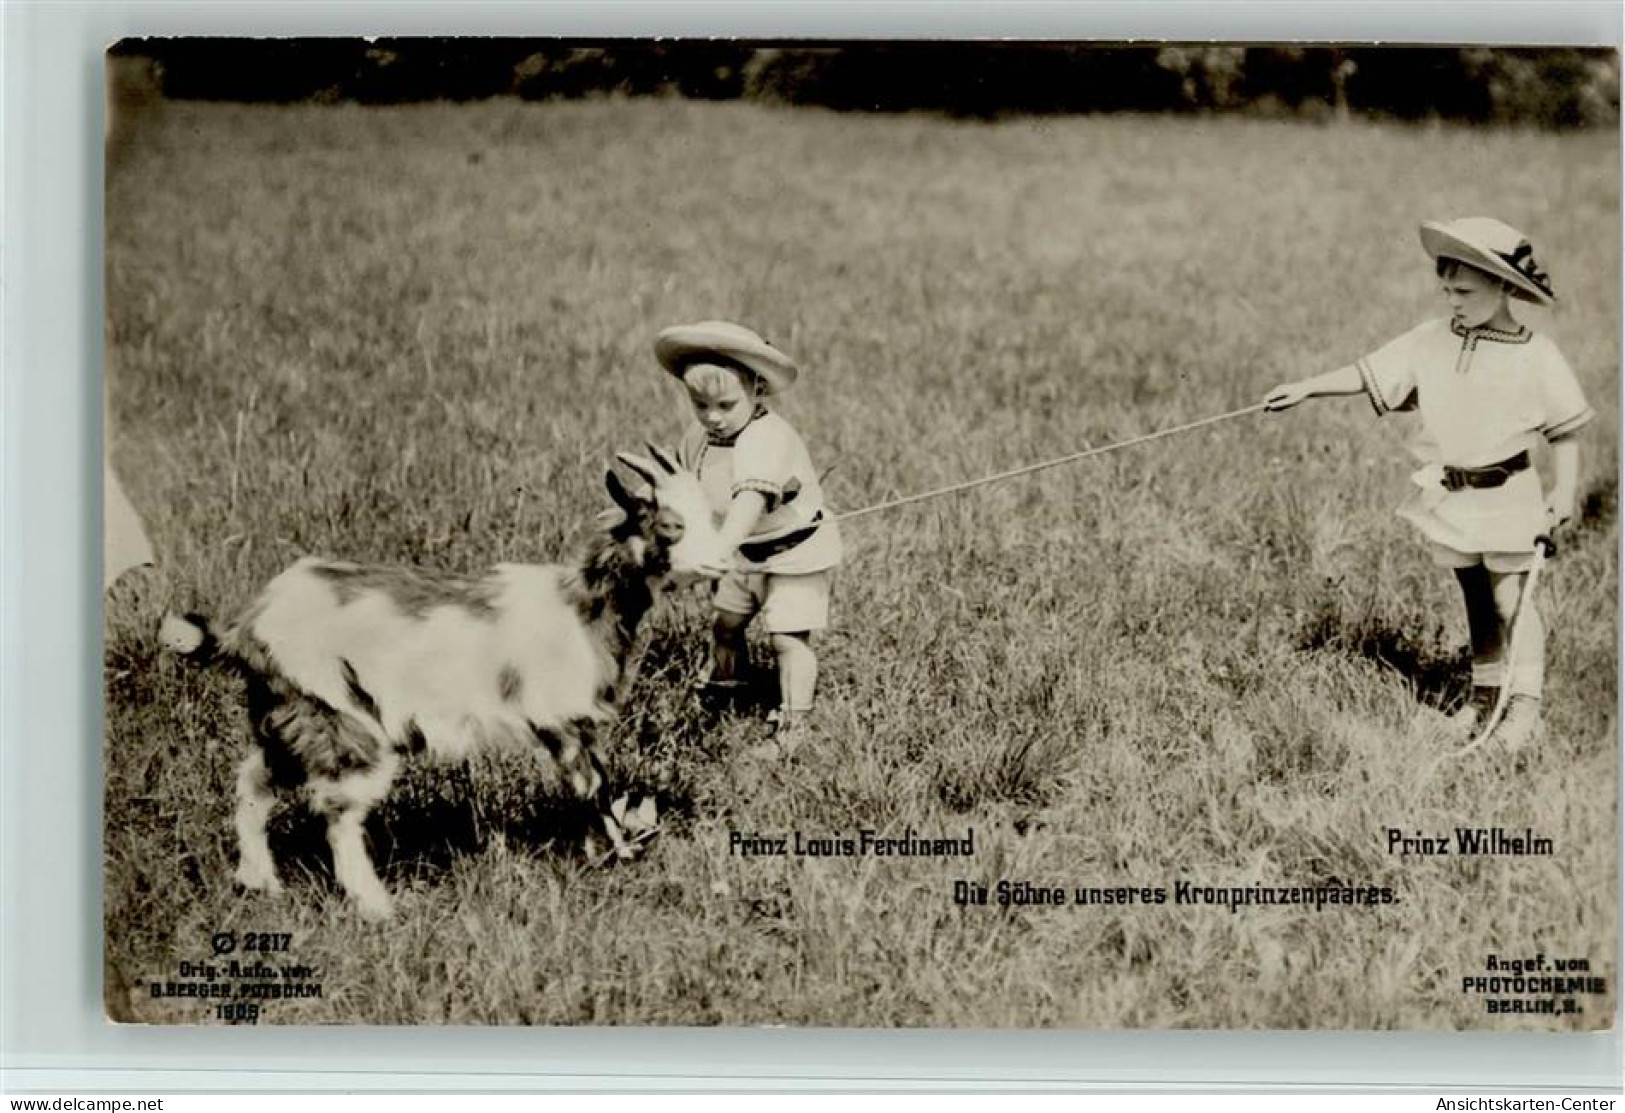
190,636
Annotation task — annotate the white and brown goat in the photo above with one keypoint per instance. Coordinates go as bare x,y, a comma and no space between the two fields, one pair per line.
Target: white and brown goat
351,667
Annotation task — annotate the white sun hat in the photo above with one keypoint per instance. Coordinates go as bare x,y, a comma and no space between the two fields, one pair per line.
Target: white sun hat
678,347
1493,247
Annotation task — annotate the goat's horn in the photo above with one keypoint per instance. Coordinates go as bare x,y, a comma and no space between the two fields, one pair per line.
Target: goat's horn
642,465
662,457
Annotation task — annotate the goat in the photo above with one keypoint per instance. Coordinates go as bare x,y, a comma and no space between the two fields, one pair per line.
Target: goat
349,667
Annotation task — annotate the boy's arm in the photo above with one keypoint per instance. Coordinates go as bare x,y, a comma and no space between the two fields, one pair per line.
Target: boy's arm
1564,414
744,511
1561,503
1344,380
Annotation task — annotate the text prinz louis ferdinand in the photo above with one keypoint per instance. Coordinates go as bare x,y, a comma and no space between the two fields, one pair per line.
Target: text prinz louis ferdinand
865,844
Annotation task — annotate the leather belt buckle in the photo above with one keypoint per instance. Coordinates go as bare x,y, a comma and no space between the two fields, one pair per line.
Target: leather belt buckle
1491,475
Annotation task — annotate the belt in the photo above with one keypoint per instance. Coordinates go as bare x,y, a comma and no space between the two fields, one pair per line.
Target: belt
758,551
1491,475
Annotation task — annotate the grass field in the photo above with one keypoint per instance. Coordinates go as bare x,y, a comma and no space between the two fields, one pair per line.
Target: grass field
419,334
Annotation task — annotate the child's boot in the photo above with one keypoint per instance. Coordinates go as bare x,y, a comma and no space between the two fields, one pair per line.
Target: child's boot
1521,725
1468,719
789,731
718,696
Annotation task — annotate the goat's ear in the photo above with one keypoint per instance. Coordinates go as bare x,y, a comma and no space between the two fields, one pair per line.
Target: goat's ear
643,466
626,500
663,458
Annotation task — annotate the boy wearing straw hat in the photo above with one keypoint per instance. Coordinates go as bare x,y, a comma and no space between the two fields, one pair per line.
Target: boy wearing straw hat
756,471
1488,390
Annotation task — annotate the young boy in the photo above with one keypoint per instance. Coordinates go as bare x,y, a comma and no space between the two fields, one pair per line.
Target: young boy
1488,390
755,469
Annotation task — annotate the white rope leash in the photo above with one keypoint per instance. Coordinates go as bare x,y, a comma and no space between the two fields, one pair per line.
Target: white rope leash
1543,549
1055,463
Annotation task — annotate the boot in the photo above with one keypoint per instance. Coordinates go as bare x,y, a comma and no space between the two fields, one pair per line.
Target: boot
1468,719
719,696
1521,725
789,732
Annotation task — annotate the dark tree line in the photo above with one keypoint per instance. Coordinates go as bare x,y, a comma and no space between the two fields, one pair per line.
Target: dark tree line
1552,87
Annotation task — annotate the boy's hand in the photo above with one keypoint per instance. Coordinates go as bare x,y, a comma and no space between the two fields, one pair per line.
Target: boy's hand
1285,396
1560,509
716,567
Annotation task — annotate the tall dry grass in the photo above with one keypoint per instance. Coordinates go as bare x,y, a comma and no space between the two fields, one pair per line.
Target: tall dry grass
419,334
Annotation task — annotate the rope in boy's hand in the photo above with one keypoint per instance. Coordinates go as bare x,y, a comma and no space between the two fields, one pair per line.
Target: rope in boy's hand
1285,396
1057,462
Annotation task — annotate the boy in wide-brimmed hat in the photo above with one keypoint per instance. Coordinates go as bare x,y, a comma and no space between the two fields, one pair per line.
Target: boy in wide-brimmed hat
1488,390
756,471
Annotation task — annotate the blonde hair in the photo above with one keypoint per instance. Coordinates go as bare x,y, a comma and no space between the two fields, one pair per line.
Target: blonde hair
711,376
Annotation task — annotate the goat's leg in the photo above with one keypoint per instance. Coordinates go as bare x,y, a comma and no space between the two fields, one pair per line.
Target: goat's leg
572,747
346,802
606,813
255,802
353,866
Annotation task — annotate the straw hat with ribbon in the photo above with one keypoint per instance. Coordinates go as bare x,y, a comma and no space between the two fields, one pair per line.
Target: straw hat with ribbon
1493,247
679,347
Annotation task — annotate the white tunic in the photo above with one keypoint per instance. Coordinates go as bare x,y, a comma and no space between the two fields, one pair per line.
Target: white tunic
769,456
1484,395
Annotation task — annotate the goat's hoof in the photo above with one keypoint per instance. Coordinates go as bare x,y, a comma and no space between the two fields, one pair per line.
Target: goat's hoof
375,908
635,821
621,851
258,879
